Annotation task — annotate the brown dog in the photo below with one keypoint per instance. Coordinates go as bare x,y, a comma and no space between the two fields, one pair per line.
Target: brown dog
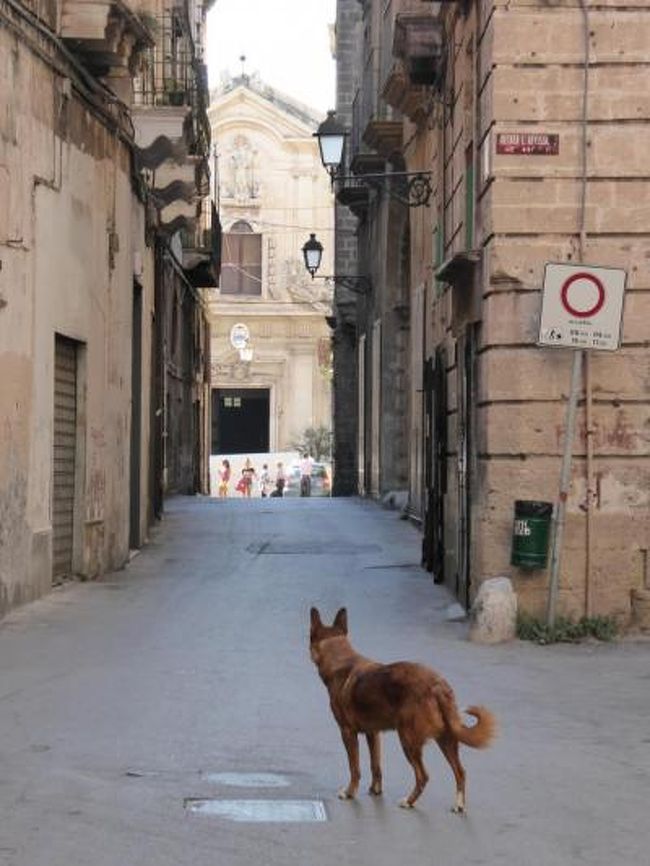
368,697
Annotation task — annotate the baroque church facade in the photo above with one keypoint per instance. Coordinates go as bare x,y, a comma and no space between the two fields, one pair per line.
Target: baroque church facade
270,339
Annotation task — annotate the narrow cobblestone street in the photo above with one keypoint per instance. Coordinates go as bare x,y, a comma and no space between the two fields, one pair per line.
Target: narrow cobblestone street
122,698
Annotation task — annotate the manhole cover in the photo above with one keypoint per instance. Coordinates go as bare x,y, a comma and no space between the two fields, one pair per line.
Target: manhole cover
310,548
247,780
260,811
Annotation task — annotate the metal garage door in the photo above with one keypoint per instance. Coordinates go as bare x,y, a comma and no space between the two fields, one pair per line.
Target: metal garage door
65,422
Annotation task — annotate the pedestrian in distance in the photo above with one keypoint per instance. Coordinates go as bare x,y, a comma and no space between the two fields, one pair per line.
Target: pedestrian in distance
306,465
224,479
280,480
245,484
265,481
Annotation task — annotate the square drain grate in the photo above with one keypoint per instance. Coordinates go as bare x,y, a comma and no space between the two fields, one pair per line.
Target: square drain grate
247,780
260,811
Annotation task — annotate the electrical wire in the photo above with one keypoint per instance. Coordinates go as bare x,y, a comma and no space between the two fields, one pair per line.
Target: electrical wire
309,228
241,270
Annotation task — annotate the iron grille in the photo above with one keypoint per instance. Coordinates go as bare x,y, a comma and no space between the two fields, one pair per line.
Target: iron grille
167,76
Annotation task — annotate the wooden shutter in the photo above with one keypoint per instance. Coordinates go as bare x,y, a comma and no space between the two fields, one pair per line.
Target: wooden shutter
241,267
65,436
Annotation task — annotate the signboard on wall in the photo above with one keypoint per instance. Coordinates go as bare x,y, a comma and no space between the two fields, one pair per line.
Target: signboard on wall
528,143
582,307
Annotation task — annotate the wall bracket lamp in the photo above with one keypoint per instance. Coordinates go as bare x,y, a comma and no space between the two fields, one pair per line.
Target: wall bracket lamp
313,252
412,188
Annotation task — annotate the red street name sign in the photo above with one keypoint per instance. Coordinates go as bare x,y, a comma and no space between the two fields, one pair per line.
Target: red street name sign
528,143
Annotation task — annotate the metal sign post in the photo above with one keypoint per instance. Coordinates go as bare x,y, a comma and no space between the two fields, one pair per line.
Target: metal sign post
557,529
582,308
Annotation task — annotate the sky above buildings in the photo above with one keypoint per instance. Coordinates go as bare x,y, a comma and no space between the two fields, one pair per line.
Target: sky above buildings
286,41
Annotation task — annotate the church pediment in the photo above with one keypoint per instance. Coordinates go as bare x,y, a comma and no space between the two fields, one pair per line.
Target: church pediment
244,107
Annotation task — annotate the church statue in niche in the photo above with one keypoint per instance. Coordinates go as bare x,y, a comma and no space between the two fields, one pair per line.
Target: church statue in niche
242,184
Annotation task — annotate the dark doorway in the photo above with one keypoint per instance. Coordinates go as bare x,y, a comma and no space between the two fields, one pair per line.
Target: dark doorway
240,420
136,418
435,464
466,354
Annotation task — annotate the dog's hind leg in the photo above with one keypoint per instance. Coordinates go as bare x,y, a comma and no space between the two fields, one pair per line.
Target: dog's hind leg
413,751
374,747
449,748
351,743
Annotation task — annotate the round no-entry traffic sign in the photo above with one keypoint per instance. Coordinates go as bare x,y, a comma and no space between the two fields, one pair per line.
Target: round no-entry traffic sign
582,295
582,306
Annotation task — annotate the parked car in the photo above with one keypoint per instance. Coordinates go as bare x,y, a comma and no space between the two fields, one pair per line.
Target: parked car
320,480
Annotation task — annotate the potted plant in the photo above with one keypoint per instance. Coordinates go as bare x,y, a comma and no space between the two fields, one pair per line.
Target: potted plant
175,92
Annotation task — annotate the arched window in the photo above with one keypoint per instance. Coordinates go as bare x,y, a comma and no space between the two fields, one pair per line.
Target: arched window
241,227
241,263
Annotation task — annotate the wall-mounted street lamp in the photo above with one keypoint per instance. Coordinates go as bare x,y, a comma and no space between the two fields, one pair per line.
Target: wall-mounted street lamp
412,188
313,253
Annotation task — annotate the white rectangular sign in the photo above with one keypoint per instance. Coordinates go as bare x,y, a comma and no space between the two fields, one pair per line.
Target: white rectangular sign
582,307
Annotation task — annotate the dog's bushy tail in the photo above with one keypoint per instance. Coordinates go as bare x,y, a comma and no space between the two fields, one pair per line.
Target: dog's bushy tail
478,736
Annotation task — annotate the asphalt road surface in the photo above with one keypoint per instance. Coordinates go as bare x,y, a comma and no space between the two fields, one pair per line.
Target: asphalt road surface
169,714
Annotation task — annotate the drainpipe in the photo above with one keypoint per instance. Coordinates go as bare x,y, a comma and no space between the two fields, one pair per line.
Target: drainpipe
590,486
581,361
589,444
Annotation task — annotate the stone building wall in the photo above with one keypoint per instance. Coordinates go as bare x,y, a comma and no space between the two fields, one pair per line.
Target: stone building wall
419,155
70,228
383,241
345,382
523,62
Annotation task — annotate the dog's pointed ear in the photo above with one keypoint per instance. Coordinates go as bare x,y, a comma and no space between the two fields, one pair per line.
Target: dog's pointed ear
315,619
341,620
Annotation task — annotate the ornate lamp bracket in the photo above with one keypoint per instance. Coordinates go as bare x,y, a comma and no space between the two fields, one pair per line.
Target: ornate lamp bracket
412,188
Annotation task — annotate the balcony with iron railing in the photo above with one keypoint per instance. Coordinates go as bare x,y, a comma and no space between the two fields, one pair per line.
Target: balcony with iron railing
393,12
174,80
377,125
404,59
416,66
167,75
171,124
376,128
202,246
107,36
201,133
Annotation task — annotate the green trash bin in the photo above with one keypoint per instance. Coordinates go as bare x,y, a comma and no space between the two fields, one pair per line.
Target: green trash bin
530,533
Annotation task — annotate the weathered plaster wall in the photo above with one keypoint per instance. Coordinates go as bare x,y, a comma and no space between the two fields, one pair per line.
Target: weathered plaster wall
144,258
67,228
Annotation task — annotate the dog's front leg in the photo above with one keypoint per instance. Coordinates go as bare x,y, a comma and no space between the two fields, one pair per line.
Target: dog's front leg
374,747
351,743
